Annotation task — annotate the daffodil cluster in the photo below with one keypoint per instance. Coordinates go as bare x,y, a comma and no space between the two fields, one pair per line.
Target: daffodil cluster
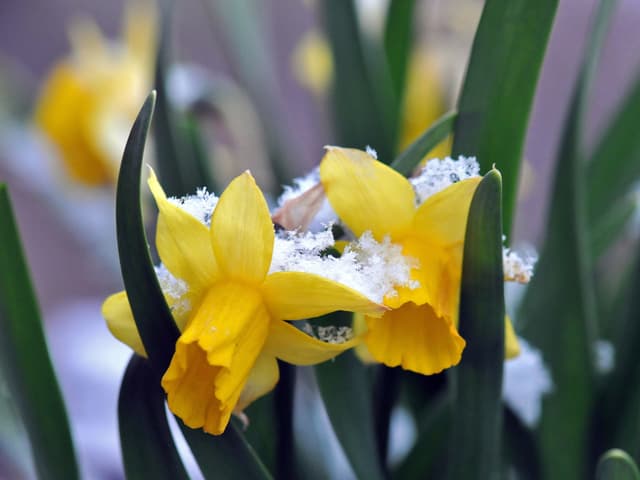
234,283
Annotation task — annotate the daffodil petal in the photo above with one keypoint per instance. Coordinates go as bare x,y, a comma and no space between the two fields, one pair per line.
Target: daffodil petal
263,378
511,344
288,343
367,194
298,295
443,216
226,314
183,242
242,234
231,381
117,312
415,338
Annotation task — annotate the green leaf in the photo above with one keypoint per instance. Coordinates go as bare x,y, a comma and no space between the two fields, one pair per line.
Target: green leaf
224,457
425,460
559,311
617,465
385,394
609,227
494,106
558,317
153,318
23,351
407,161
262,431
346,393
362,105
475,448
618,416
615,164
217,456
520,447
147,446
182,165
398,36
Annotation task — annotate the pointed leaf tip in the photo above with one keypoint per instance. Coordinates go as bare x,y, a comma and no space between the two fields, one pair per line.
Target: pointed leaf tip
616,464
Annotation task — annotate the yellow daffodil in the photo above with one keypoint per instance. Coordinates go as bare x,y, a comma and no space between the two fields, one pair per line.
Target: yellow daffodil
234,330
90,98
420,331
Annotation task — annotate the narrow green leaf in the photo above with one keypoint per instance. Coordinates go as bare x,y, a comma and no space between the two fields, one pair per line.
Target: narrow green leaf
347,393
520,447
558,317
147,446
618,415
25,357
499,86
361,110
407,161
617,465
398,35
475,448
608,228
425,460
153,318
615,164
559,312
224,457
181,165
262,431
217,456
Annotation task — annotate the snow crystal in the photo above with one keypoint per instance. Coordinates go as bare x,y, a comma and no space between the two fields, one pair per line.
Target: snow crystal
370,267
526,381
337,335
201,205
175,289
300,185
518,268
329,334
436,175
371,152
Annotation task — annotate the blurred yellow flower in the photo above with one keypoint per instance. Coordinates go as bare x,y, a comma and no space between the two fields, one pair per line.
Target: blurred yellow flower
312,63
420,332
90,98
424,102
234,330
